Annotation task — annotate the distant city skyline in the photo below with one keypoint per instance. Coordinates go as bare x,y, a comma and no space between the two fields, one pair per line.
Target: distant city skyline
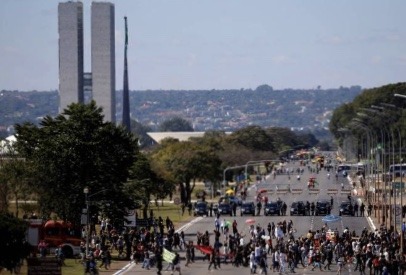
228,44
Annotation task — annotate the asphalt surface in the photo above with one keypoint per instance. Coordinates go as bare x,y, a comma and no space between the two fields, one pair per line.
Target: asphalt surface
326,187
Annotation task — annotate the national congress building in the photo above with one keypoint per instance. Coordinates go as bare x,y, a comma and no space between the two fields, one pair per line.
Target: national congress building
71,56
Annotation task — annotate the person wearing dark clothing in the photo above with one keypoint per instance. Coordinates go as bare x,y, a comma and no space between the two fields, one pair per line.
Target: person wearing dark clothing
312,207
356,209
211,209
213,260
158,259
362,209
259,206
235,209
369,209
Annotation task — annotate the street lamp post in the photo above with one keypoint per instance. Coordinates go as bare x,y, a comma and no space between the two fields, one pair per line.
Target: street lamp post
224,174
86,192
401,176
87,198
255,162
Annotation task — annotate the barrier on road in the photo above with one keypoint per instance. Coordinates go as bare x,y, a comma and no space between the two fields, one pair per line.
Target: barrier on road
332,191
283,192
314,191
296,191
345,192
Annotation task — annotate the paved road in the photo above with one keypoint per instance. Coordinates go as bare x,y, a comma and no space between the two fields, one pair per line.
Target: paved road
301,223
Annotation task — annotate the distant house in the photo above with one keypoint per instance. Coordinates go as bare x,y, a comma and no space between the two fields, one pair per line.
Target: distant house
6,144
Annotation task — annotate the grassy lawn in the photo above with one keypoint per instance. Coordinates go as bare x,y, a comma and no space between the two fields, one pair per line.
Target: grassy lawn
172,211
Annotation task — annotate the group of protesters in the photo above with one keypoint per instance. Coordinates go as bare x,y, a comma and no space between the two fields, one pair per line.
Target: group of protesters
144,245
275,247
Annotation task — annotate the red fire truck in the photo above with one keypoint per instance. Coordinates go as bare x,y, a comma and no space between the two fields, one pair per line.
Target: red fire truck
55,234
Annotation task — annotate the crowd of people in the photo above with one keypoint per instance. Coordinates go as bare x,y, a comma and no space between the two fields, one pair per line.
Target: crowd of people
276,248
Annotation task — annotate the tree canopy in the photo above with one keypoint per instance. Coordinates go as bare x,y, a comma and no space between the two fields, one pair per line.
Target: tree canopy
176,124
13,247
343,115
74,150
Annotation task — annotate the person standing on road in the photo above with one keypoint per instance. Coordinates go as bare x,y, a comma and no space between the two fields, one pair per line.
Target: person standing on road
259,206
158,259
263,264
213,260
362,209
235,230
217,224
356,209
176,263
282,261
369,210
188,255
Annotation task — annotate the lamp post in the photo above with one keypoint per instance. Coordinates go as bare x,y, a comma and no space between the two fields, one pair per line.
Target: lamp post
401,176
255,162
86,192
224,174
357,123
87,200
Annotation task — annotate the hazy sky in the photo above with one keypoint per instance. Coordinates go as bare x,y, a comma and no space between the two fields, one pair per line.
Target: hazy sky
219,44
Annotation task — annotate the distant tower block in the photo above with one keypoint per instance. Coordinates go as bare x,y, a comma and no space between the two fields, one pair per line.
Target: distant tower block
103,58
126,96
70,30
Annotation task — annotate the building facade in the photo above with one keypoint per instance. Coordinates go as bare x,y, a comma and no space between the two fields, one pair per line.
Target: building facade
103,58
75,86
70,30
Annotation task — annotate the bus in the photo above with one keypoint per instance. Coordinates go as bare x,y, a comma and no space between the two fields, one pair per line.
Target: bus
397,170
356,167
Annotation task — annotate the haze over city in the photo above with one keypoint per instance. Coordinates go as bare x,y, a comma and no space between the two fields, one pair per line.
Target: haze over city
210,44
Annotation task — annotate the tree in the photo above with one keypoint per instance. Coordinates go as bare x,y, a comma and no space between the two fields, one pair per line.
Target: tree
144,183
176,124
13,247
184,163
76,149
264,88
345,113
15,180
253,137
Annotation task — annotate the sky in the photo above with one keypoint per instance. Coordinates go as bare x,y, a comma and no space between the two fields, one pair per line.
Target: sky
219,44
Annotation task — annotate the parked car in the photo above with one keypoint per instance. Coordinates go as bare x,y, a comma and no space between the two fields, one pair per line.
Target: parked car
225,209
346,208
298,208
323,208
247,208
272,208
201,208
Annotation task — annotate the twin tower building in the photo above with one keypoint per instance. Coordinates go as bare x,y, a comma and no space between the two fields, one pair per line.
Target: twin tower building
74,83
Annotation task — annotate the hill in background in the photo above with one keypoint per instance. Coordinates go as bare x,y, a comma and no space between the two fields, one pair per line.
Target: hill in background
226,110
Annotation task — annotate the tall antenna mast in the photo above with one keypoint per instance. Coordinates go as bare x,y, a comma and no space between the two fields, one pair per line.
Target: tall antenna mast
126,96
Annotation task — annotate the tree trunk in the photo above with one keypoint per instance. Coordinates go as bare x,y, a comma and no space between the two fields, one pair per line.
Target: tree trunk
16,200
183,194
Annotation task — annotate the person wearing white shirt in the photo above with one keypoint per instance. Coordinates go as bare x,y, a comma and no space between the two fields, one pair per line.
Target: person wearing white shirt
282,261
253,264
